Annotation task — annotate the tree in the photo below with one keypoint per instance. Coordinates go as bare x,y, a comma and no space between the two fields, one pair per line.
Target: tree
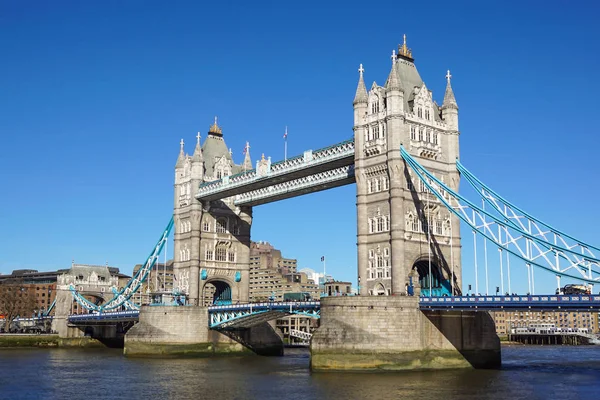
16,299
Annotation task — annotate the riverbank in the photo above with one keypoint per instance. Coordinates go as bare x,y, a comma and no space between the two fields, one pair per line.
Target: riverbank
46,341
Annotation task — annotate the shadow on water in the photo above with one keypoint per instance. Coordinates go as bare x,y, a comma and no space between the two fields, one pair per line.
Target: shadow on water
547,372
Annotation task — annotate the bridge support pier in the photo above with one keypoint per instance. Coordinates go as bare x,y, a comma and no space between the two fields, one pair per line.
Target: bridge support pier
392,333
164,330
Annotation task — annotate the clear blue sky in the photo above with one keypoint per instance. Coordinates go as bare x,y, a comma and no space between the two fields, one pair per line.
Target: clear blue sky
95,96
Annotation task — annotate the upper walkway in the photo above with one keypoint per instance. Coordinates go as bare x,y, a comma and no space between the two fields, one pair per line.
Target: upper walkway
499,303
313,171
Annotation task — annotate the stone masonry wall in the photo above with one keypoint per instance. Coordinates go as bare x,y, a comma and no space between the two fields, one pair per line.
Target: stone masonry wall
176,330
358,333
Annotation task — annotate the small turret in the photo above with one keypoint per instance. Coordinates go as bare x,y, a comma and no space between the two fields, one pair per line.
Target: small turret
393,82
197,157
247,164
393,86
361,89
450,107
181,157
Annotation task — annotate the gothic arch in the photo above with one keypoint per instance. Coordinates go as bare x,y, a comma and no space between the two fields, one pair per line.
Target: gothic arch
439,285
217,291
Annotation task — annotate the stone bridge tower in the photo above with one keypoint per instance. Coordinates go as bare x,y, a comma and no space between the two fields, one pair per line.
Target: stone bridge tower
212,239
401,227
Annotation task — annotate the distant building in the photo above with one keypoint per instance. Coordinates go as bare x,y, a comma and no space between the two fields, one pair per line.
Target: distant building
274,277
160,279
337,288
42,283
505,320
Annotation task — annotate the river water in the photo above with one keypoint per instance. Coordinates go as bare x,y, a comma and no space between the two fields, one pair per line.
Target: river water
546,372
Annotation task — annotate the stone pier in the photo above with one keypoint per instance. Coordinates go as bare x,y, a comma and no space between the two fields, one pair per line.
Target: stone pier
184,331
392,333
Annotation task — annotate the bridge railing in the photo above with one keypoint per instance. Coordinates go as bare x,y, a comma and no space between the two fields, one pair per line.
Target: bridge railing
308,159
511,302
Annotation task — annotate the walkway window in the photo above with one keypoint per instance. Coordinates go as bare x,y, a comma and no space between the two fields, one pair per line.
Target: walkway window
222,225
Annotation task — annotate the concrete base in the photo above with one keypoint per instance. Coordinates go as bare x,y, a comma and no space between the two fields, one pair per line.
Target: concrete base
391,333
184,331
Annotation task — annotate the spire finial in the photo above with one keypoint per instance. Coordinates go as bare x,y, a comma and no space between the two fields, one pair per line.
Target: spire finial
361,70
181,143
448,76
215,120
393,56
198,138
230,151
215,129
404,51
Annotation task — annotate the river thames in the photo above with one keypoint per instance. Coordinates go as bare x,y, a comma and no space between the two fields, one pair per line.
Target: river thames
548,372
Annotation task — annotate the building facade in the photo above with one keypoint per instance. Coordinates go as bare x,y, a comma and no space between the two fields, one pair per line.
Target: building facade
506,320
212,239
41,285
401,227
274,276
160,280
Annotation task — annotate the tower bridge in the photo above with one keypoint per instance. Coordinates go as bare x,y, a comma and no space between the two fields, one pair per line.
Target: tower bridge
403,159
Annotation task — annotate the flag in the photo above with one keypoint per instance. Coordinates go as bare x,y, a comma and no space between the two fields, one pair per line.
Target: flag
246,148
323,258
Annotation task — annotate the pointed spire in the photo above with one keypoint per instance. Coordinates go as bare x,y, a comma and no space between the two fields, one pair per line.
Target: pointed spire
181,157
393,82
247,164
361,90
449,100
198,150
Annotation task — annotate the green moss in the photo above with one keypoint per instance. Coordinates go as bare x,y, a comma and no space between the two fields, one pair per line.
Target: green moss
410,360
7,341
145,349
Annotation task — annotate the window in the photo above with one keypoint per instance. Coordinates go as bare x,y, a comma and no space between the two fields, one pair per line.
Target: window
386,252
221,254
222,225
420,112
378,185
428,136
219,174
409,184
385,183
371,253
206,226
427,115
438,226
231,256
421,134
413,132
435,138
369,186
209,254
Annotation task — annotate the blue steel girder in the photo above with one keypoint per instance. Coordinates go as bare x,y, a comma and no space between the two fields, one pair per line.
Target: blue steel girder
510,236
122,297
246,315
294,168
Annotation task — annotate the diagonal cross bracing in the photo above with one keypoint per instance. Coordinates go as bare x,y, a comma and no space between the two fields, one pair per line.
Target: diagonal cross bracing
528,241
246,315
308,184
310,163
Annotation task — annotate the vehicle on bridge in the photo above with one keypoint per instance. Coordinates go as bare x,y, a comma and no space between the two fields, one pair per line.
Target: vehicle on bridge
575,289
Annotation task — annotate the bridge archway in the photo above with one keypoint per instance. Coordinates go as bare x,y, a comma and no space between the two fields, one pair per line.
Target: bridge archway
216,292
379,290
438,284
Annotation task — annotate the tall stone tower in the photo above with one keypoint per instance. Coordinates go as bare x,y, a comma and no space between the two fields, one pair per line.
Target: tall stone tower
401,227
212,239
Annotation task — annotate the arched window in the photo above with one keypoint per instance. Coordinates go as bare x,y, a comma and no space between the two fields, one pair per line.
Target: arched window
209,254
427,115
369,186
231,256
421,134
372,225
379,224
385,183
420,112
222,225
435,138
413,132
377,185
428,136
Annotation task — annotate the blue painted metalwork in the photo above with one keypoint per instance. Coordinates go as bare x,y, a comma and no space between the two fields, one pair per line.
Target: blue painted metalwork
540,260
497,303
98,317
204,275
238,276
49,310
221,317
134,284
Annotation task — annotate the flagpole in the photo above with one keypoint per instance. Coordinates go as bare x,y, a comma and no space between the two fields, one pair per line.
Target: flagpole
285,145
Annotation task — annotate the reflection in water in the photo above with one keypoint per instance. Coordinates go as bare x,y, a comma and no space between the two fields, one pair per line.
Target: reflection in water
528,373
